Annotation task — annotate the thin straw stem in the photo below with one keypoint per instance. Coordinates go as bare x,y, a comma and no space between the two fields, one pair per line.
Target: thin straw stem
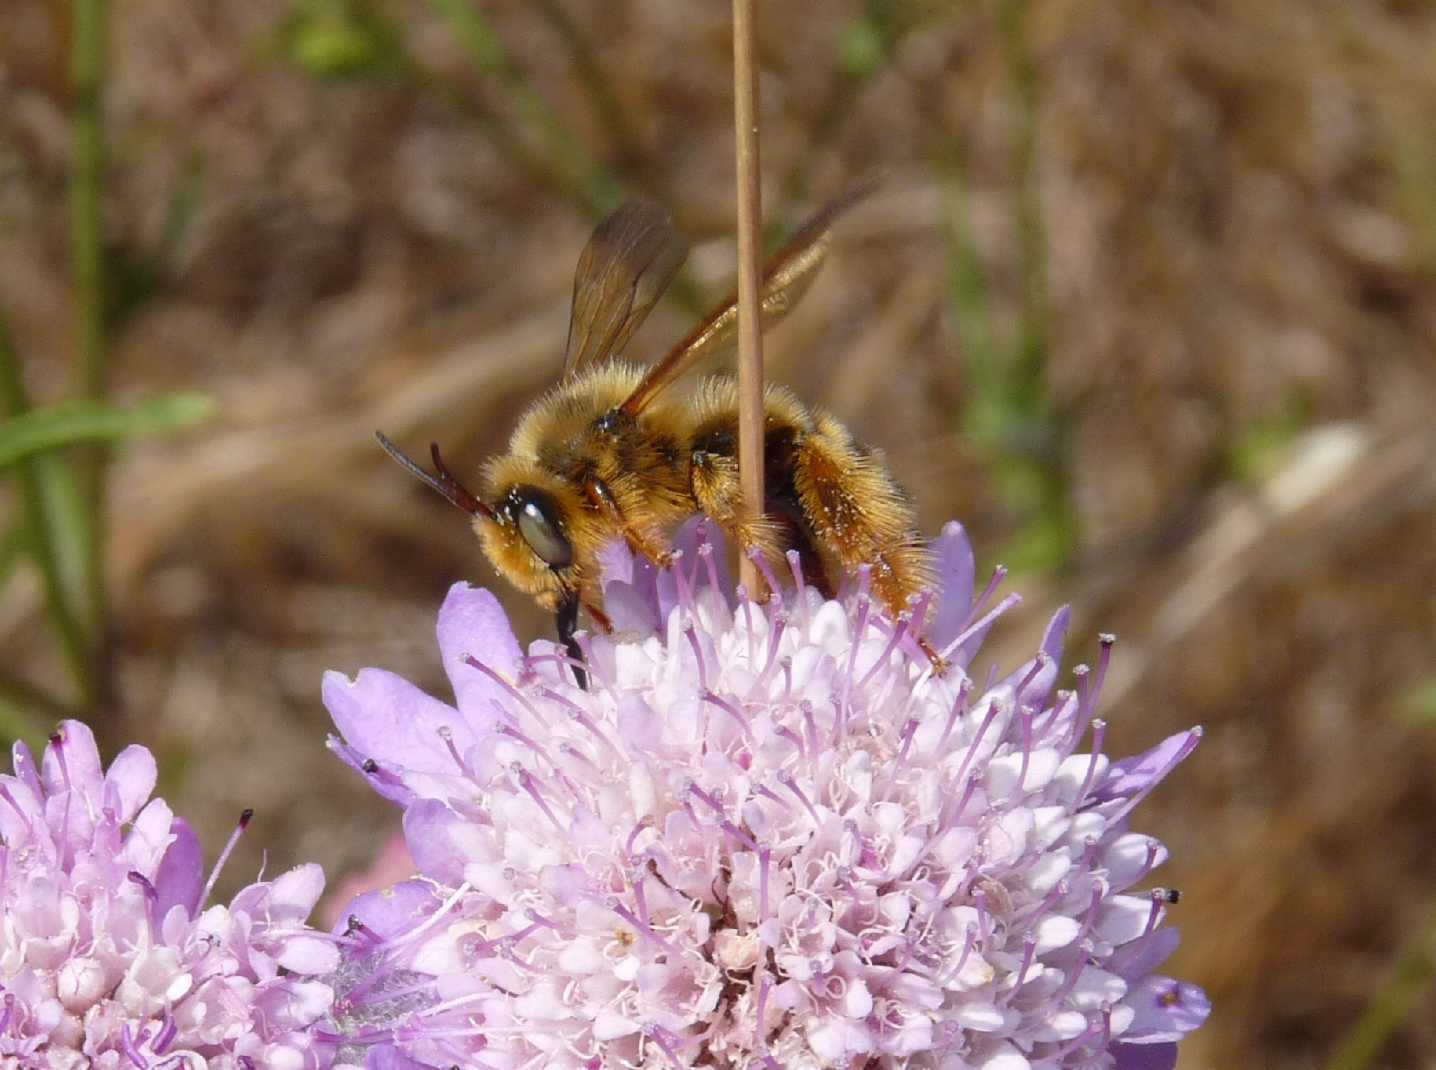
750,253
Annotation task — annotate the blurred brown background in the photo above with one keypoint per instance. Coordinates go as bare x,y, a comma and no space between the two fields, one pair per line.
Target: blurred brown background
1146,300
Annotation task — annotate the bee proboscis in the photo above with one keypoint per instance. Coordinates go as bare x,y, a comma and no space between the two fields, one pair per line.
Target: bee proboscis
607,453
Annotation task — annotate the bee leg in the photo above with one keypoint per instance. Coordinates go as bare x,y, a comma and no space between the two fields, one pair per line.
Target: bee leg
645,543
940,664
599,617
567,622
713,482
854,506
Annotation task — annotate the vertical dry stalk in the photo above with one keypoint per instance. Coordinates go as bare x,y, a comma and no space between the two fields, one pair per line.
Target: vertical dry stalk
750,252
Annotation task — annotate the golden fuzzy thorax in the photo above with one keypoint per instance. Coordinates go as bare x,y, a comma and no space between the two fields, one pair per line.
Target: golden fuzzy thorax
610,475
561,447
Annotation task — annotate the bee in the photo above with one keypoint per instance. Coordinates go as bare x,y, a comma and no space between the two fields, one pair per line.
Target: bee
608,453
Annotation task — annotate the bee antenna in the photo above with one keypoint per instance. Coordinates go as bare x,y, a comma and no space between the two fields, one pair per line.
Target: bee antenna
450,488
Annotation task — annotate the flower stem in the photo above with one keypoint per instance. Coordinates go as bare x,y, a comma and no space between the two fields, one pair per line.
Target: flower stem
750,269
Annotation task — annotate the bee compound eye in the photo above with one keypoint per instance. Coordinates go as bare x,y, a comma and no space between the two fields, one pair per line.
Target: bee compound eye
540,528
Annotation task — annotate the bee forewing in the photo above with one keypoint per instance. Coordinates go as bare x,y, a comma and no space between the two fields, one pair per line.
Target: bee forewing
622,272
785,279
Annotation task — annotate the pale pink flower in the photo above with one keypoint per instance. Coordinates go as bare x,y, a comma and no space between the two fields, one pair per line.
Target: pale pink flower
764,835
108,956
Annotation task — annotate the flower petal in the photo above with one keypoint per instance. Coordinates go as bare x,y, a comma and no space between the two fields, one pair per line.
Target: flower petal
385,717
1144,1056
630,595
129,781
1165,1010
390,911
181,871
23,763
80,768
440,841
472,624
954,564
388,1057
1133,777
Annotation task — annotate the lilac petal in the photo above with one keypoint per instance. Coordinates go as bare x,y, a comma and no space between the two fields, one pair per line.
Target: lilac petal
1133,777
1143,1056
388,1057
384,781
440,841
81,769
23,763
308,954
690,536
293,894
630,588
181,871
472,624
617,563
293,1005
384,717
22,808
1165,1009
1037,685
391,911
630,596
148,838
955,567
129,781
1140,957
1056,633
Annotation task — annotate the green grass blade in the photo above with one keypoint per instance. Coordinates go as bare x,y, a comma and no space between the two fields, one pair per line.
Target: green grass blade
69,422
45,485
590,182
1394,1004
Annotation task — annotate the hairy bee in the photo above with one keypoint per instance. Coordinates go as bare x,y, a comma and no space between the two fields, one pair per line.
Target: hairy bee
607,453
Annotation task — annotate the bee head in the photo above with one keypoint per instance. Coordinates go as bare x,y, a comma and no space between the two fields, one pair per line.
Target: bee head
535,514
531,535
528,534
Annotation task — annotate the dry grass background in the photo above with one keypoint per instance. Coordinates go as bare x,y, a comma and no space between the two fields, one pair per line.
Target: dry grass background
1231,289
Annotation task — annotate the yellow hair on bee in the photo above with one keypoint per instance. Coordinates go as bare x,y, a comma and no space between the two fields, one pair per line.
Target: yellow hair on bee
608,454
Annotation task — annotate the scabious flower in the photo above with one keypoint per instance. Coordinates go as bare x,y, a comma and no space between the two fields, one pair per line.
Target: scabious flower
108,957
763,835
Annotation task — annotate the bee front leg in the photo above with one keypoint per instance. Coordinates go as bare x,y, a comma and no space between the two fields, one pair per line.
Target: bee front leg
645,543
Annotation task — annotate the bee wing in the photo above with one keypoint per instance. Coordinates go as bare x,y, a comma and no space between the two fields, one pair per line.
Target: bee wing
622,272
785,279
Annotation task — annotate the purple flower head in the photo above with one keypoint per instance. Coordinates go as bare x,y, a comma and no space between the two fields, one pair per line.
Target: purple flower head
764,835
108,956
